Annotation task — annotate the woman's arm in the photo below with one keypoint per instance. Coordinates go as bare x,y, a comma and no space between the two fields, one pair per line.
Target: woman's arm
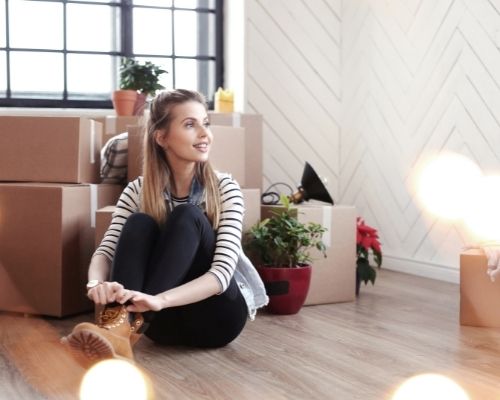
106,292
99,268
193,291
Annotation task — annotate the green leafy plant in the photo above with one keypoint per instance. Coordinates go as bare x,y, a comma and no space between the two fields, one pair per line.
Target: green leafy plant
283,241
141,77
367,244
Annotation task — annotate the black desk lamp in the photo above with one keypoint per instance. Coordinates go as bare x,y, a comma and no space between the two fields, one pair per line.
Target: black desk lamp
311,188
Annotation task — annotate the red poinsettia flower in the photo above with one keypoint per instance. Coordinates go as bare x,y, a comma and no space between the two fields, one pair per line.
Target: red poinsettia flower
366,242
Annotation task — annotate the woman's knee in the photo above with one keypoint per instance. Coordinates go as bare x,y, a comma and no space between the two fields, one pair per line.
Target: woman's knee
140,225
141,219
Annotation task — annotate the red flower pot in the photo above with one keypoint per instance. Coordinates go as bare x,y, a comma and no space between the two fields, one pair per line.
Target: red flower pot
286,287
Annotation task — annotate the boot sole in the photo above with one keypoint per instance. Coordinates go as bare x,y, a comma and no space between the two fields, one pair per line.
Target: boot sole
88,347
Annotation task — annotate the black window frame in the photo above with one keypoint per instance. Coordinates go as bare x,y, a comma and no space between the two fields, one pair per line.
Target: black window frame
126,45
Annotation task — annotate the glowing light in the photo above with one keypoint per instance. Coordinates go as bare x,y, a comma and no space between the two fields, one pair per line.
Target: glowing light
113,379
430,387
445,185
483,215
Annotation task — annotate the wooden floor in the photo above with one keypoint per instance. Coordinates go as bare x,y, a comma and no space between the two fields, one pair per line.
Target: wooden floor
402,326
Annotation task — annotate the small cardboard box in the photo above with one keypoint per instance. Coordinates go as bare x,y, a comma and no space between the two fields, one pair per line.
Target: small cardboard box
479,296
46,242
253,125
226,155
49,149
114,125
333,278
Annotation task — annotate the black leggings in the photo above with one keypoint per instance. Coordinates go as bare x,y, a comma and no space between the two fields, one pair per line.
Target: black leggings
153,260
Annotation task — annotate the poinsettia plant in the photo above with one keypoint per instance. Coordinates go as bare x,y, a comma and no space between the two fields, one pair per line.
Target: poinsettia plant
367,244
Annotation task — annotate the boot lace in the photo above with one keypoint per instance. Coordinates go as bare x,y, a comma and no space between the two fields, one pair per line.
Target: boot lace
112,317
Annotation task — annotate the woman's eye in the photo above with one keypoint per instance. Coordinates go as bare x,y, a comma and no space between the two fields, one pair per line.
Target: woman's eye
206,124
189,125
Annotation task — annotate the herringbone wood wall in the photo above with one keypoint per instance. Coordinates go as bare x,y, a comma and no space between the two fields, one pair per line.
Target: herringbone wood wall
363,90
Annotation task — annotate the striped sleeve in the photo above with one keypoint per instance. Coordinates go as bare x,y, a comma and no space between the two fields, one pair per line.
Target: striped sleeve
228,238
127,204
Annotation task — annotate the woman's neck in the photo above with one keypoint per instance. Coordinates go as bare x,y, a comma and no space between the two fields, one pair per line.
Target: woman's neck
182,180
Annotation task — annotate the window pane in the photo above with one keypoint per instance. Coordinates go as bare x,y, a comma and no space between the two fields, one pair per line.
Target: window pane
92,27
186,76
166,64
34,74
194,33
186,32
90,74
153,31
195,4
30,30
2,23
3,74
195,75
164,3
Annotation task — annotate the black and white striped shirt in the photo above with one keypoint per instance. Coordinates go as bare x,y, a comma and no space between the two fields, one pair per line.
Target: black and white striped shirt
228,238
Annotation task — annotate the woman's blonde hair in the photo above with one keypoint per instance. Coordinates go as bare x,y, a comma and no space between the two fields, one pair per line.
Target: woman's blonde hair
158,176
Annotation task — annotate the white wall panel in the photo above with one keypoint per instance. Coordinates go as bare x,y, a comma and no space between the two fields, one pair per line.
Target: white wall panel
366,91
433,85
293,80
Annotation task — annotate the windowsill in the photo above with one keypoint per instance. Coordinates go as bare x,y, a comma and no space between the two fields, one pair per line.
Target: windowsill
83,112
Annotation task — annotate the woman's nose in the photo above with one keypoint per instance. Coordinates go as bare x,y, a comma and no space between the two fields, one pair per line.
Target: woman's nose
203,131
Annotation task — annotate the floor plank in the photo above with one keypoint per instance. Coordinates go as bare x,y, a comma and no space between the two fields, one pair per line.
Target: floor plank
402,326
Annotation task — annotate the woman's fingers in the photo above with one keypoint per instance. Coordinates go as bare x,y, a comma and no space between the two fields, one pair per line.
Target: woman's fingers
105,293
125,296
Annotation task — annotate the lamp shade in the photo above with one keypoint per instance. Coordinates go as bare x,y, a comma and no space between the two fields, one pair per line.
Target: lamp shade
312,188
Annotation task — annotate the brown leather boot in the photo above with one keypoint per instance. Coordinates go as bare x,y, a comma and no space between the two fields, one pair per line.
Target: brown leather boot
111,337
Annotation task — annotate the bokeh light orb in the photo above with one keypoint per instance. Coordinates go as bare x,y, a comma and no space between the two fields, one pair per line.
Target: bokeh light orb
446,185
482,217
114,379
430,387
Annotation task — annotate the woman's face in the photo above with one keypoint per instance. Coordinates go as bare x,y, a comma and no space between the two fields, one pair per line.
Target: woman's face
189,137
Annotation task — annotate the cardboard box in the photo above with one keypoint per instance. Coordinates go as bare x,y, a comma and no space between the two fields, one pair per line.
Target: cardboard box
252,214
252,208
135,152
114,125
46,242
333,278
253,125
479,296
228,152
102,221
226,155
49,149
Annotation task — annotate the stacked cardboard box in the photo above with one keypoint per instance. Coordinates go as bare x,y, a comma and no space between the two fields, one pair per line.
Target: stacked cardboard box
113,125
252,147
49,190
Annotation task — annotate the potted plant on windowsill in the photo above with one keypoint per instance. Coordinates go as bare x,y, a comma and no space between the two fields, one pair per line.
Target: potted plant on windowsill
280,246
367,247
137,82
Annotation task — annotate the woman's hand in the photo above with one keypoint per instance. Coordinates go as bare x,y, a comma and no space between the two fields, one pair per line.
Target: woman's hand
141,301
106,292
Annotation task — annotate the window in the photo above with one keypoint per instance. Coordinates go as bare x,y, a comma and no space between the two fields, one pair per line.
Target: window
66,53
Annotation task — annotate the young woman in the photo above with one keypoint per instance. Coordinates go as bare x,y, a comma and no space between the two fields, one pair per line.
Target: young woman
172,254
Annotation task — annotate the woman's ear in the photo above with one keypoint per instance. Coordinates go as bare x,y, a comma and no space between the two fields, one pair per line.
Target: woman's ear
160,138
